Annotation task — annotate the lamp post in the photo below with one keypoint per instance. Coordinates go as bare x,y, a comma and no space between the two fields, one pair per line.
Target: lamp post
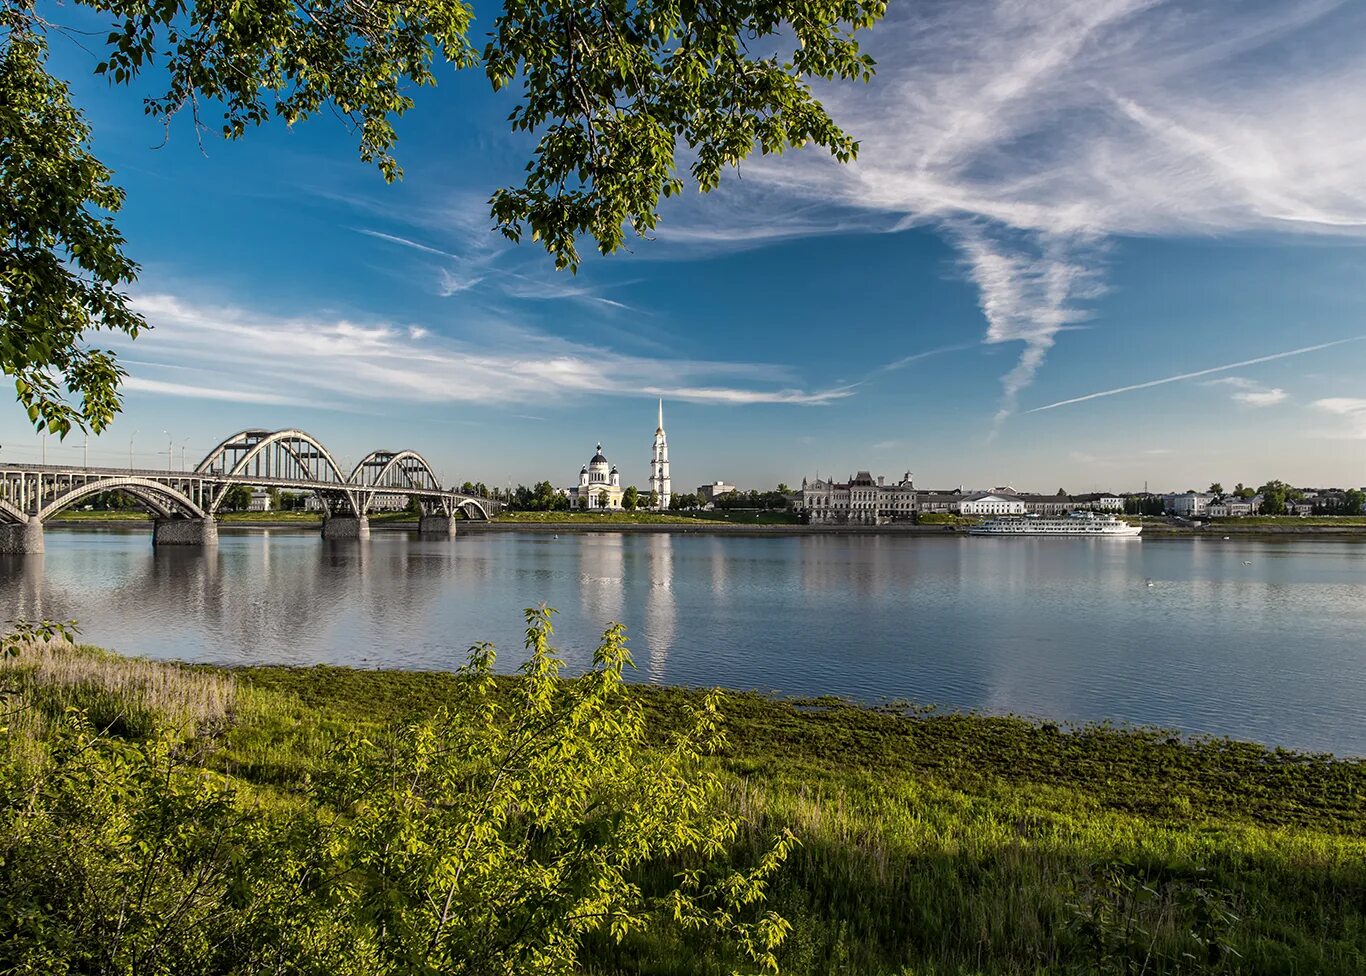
170,450
130,449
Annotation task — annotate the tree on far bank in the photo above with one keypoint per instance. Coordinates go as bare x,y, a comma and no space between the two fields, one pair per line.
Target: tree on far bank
651,500
1216,489
1353,501
238,498
1274,496
612,94
630,498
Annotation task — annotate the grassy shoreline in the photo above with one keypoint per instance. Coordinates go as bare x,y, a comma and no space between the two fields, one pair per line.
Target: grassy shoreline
1287,527
936,842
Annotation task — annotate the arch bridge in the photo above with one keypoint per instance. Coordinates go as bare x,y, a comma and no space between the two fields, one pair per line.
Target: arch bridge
184,504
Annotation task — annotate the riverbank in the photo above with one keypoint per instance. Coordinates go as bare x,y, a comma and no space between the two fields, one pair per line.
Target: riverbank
1288,527
929,843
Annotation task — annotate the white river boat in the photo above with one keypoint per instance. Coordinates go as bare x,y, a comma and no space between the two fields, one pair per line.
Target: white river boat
1078,523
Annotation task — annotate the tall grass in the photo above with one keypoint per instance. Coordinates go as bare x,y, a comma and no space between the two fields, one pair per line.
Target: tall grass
120,695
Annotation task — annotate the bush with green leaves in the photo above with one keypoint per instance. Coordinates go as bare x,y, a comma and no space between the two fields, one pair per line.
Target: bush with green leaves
500,835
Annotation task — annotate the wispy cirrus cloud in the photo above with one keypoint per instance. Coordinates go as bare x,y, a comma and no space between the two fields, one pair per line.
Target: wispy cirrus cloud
405,242
250,356
200,391
1031,134
1250,392
1196,374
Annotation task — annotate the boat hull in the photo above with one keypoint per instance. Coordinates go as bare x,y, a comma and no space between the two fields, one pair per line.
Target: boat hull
1127,533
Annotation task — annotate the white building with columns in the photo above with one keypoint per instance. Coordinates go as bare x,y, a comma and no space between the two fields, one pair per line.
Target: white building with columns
659,465
599,488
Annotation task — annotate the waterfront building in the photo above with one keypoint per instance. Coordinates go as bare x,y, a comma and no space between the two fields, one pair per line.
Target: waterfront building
260,500
1188,504
659,465
599,487
1231,506
858,501
938,502
707,494
1048,505
1099,501
999,501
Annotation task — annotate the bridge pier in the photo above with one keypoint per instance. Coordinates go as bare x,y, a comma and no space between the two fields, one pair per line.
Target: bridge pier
346,527
184,532
24,538
437,525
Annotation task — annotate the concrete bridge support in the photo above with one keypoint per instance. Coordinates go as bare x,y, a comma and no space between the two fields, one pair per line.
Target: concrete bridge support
21,539
184,532
341,527
441,526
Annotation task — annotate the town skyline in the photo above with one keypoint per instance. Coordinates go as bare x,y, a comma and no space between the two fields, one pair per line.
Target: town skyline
1045,267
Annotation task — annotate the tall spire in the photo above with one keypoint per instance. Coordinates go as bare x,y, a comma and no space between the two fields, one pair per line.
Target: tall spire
659,464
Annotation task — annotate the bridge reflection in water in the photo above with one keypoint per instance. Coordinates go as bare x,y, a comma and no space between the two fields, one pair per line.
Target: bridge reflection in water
184,505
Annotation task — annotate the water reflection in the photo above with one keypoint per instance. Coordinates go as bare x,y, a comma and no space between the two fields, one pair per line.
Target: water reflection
661,612
1252,638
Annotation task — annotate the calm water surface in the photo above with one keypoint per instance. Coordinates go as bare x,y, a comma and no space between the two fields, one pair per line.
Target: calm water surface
1257,639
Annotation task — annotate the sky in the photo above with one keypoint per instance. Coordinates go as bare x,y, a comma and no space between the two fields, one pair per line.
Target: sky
1086,245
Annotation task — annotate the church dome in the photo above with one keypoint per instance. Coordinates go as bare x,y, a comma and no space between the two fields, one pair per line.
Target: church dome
598,458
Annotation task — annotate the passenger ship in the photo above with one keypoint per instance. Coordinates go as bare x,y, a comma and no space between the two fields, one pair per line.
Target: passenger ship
1078,523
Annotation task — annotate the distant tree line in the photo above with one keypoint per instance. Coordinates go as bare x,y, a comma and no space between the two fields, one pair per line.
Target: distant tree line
1144,505
779,499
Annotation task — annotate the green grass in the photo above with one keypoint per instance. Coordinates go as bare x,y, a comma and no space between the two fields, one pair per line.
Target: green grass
947,518
1291,520
930,842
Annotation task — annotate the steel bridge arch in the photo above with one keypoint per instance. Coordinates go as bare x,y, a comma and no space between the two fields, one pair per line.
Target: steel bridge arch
152,494
477,506
388,461
260,441
372,475
255,442
11,514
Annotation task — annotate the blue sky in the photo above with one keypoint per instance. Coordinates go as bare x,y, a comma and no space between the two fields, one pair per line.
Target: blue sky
1053,201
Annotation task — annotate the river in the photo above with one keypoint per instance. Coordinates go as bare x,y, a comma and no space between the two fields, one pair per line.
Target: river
1258,639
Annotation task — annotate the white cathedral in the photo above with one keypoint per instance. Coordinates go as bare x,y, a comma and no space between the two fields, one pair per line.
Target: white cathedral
599,487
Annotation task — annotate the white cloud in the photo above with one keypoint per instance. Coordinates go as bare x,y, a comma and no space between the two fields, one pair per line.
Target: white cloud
516,285
449,283
1030,133
1352,409
1261,398
140,384
253,355
1250,392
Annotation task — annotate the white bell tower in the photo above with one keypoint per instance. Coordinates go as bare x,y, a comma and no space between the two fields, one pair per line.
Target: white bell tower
659,465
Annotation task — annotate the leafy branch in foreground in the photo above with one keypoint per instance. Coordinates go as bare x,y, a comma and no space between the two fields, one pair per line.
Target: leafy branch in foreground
62,267
613,91
23,633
